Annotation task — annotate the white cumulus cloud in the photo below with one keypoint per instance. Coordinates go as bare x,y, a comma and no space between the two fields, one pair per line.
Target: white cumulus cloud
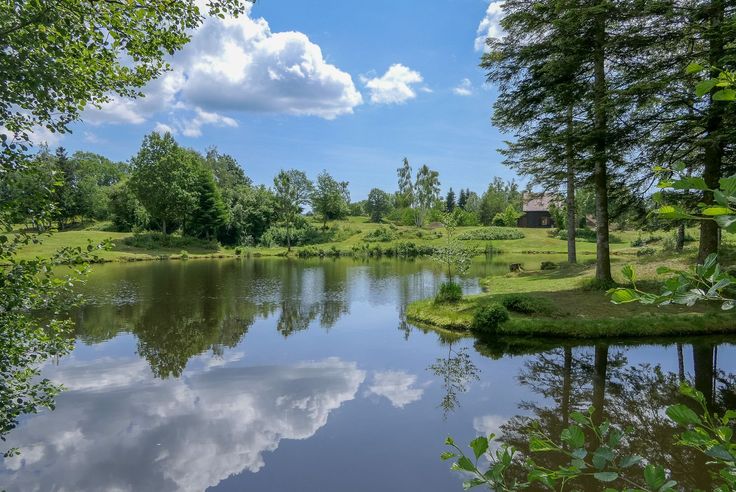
184,434
465,88
238,65
396,86
490,26
396,387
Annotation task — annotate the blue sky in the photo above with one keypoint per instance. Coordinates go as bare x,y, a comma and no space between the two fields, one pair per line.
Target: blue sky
351,87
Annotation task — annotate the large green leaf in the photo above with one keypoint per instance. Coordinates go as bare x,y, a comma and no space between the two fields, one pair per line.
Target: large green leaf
705,87
479,445
683,415
605,476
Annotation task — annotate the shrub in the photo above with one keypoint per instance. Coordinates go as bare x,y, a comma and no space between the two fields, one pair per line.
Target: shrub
380,235
526,304
549,265
157,240
304,235
449,292
238,251
491,234
184,254
488,319
586,235
646,252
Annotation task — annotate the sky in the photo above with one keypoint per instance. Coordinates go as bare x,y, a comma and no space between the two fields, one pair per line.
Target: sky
347,86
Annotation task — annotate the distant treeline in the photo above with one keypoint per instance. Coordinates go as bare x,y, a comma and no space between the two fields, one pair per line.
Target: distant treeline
169,188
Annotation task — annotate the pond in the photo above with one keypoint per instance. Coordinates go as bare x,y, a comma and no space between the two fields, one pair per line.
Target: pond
277,374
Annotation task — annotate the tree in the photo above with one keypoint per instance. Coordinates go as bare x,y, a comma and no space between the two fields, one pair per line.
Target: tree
67,195
209,214
463,198
54,65
330,199
508,218
252,212
126,211
292,189
496,199
164,178
378,204
427,191
450,203
405,196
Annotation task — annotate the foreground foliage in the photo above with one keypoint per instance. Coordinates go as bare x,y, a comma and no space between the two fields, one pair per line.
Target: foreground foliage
592,457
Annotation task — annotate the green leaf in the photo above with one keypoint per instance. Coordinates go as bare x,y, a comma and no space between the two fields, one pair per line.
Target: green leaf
690,183
726,222
629,273
628,461
540,445
673,213
719,453
694,68
713,211
683,415
573,436
449,441
479,445
605,476
464,464
725,95
469,484
447,455
623,296
705,87
654,476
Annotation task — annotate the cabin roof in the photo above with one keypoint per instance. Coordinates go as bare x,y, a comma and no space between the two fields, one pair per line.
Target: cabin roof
538,202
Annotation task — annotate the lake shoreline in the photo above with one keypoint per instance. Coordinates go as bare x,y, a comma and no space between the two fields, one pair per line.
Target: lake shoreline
582,323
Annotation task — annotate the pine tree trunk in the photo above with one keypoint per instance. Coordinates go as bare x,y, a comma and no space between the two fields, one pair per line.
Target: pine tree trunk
571,225
163,226
566,387
714,148
599,383
680,243
600,171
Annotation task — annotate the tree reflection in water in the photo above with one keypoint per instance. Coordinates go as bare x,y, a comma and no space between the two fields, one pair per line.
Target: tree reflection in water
572,379
457,371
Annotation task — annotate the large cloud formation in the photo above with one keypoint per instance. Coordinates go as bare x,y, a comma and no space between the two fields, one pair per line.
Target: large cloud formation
490,26
118,428
239,65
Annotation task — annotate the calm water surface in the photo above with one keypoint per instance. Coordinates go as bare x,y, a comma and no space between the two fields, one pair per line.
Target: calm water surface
286,375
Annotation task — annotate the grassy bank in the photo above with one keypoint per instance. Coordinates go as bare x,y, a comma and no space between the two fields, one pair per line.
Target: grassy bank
360,238
625,324
564,304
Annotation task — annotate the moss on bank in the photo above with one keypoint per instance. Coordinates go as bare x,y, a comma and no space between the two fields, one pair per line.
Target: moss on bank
580,314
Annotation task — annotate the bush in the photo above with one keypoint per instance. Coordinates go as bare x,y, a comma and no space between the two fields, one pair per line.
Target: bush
488,319
304,235
586,235
238,251
380,235
646,252
158,240
184,254
549,265
491,234
526,304
449,292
